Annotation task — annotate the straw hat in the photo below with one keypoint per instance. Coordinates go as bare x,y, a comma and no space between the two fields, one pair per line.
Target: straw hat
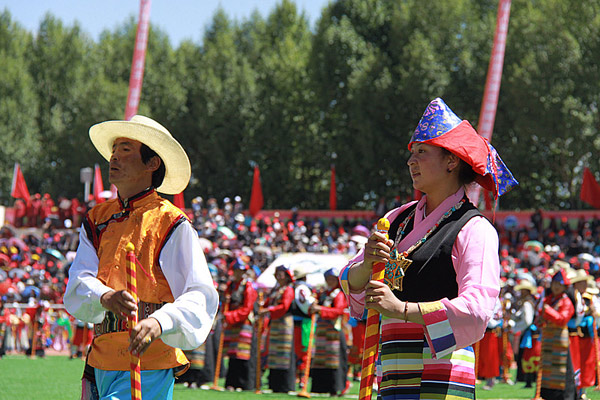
578,276
526,285
153,135
560,264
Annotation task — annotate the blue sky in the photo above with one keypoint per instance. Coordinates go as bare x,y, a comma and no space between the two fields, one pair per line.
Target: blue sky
181,19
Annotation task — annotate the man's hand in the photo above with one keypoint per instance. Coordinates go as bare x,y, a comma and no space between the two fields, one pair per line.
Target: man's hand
143,334
119,302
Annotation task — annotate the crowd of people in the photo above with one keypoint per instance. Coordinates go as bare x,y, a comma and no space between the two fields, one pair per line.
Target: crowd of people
534,286
34,271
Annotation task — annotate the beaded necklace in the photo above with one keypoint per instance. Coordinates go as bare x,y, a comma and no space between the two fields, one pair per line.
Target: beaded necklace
396,267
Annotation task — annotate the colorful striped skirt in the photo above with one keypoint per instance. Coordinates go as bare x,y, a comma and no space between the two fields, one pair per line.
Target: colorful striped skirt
281,341
239,340
327,346
408,371
555,355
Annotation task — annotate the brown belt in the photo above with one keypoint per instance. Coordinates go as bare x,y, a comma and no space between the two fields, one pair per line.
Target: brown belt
116,323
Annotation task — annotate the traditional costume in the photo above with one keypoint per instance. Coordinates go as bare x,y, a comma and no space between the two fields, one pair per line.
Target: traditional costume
174,285
240,340
454,274
329,364
303,298
490,348
558,374
281,361
587,350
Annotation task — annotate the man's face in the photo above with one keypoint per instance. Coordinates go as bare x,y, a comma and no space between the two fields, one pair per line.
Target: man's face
126,164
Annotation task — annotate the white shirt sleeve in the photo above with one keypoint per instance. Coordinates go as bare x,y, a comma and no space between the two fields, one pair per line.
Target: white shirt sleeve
83,292
187,321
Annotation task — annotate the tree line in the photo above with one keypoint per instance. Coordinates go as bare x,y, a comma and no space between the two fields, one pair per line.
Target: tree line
295,99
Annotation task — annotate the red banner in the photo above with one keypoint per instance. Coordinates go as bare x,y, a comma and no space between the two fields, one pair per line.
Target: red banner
178,201
487,115
98,185
590,189
137,64
19,189
256,196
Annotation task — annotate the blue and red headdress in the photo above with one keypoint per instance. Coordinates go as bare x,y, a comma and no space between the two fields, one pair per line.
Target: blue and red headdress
439,126
561,277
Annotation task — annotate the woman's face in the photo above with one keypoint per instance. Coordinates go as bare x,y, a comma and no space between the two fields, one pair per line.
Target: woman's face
557,288
428,166
332,281
281,277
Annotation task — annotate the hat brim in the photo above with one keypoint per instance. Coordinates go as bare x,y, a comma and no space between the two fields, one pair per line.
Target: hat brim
177,164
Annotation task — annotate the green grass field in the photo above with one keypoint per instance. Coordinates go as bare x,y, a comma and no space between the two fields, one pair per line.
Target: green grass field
58,378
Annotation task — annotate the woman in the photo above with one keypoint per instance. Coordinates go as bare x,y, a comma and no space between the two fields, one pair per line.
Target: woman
239,331
440,304
281,360
329,362
558,374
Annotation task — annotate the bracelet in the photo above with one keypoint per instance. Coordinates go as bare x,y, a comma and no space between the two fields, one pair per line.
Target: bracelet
406,311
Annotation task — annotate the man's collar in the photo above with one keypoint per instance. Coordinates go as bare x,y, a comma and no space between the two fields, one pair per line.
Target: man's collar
129,202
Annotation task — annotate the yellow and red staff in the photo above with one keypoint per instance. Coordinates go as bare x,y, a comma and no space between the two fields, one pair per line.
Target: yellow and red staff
304,392
215,385
597,354
371,345
132,320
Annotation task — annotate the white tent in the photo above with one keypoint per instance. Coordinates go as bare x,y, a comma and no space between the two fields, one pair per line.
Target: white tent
315,264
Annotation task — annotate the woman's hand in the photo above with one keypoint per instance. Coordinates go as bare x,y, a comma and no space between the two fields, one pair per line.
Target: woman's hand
314,308
379,297
377,249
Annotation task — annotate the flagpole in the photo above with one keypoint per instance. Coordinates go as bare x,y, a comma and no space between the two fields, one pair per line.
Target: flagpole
491,92
137,63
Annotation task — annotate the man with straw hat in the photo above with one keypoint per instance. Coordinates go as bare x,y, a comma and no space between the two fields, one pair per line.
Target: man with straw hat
524,324
177,300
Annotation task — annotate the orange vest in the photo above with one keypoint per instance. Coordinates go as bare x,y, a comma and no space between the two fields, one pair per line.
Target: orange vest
147,220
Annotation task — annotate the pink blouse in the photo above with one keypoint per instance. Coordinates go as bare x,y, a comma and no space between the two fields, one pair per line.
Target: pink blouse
475,260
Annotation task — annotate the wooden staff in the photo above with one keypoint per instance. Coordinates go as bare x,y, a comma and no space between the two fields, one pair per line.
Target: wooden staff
538,379
85,339
134,360
215,385
597,354
34,327
304,392
371,345
259,328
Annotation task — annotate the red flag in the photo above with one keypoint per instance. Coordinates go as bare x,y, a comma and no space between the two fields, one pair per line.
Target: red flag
178,201
590,190
332,191
19,189
137,64
256,196
98,185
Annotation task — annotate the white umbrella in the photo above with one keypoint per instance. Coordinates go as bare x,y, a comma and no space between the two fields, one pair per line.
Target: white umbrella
314,264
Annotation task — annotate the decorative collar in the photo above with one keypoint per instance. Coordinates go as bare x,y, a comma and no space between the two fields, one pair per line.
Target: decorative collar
139,199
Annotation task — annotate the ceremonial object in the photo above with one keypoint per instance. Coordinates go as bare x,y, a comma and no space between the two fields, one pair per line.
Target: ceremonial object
134,363
371,344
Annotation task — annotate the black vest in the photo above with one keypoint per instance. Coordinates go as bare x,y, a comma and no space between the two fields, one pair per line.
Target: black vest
431,276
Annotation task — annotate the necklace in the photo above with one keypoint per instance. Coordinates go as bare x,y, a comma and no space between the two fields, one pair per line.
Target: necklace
396,267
